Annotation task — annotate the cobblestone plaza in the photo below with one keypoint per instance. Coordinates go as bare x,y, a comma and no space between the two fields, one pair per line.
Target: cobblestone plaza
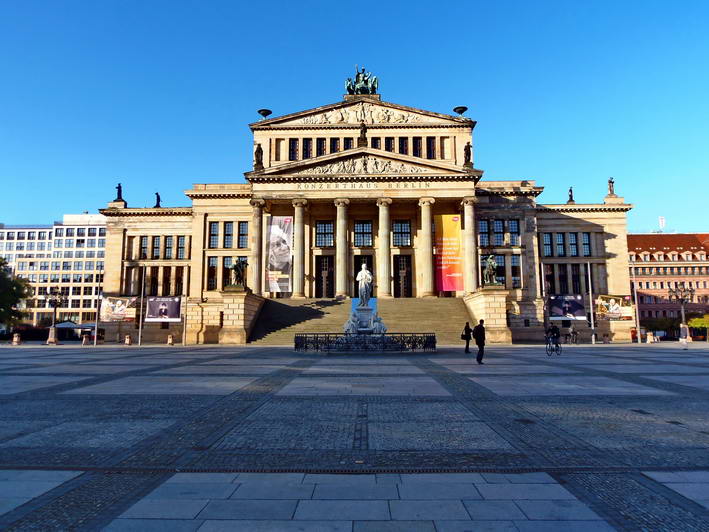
259,439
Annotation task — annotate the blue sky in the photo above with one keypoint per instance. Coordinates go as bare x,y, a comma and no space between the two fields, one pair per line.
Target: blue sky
158,94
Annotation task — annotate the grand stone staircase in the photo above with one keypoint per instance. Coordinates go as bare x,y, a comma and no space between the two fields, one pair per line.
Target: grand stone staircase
281,319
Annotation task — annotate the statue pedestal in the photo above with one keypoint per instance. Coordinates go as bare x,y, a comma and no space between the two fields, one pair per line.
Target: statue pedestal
240,310
490,304
364,317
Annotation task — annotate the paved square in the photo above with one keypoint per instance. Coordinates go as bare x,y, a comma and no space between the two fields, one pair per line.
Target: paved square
261,439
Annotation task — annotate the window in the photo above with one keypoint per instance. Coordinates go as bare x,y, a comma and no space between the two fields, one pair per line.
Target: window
574,245
484,233
180,247
404,145
334,145
402,233
498,229
75,290
563,278
388,143
226,271
500,274
307,148
89,265
416,147
68,243
81,231
101,231
31,235
213,235
430,147
377,143
66,266
56,265
324,234
363,233
69,231
78,265
576,278
549,279
211,273
586,243
21,235
320,145
560,245
92,231
292,152
91,243
143,247
513,226
168,247
228,234
156,247
347,143
516,271
243,237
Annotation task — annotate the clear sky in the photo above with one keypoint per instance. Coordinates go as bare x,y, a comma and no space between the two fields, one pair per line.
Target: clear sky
158,94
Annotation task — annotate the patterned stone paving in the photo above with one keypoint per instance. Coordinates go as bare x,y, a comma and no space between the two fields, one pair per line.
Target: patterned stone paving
211,438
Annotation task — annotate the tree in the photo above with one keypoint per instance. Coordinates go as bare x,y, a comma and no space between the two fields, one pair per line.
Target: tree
701,323
12,291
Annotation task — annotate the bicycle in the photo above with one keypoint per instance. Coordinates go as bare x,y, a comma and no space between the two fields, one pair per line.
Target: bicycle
553,346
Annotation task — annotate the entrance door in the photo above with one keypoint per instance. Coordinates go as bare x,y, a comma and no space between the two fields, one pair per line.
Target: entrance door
402,275
325,276
358,261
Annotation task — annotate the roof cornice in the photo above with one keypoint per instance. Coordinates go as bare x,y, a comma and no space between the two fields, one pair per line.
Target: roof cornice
588,207
148,211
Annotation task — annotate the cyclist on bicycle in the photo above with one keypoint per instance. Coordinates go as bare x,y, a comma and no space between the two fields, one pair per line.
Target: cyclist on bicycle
553,334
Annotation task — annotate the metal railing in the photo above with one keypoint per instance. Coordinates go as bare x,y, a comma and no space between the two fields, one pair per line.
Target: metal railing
389,342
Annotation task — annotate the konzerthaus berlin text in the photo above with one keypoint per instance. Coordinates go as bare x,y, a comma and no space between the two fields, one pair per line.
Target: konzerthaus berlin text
363,180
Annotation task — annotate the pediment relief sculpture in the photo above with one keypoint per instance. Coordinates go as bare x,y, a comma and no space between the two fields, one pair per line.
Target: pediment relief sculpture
367,113
364,164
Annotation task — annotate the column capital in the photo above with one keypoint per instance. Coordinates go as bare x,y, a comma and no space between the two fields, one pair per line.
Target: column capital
469,200
257,203
300,202
342,202
426,202
381,202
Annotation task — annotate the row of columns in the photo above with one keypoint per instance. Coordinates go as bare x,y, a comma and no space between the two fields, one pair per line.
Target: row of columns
383,250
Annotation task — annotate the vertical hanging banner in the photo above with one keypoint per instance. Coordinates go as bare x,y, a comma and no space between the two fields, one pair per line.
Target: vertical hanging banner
280,256
449,253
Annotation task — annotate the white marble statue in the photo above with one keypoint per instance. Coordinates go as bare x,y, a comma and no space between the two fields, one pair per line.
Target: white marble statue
352,325
378,326
364,278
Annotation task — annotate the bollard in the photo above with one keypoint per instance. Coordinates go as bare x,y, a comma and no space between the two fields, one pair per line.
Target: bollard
16,339
170,340
84,339
128,340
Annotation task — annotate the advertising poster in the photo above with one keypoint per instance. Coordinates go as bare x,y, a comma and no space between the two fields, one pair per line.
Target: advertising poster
566,308
118,308
449,253
163,309
614,308
280,256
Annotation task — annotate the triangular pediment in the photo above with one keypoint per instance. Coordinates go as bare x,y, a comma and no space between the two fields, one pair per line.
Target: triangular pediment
365,161
356,111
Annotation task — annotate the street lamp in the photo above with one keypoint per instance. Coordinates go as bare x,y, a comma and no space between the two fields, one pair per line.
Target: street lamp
54,299
682,295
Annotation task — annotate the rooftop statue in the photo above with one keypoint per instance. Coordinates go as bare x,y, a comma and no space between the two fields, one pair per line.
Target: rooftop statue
363,83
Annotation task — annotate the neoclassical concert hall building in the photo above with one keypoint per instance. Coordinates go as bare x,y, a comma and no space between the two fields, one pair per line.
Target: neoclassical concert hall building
367,181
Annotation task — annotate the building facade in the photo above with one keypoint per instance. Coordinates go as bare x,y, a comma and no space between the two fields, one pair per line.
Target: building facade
68,255
364,181
661,261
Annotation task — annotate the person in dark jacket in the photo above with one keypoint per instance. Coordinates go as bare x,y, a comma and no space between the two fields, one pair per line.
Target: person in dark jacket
467,335
479,336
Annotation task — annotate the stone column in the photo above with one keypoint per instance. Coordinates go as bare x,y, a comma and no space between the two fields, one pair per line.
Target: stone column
384,249
470,248
299,248
255,264
161,281
341,248
425,245
173,280
135,252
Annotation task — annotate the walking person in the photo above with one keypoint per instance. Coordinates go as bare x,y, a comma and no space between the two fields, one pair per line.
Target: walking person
479,336
467,335
684,335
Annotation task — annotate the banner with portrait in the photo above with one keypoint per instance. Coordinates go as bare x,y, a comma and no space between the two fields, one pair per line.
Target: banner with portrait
564,307
449,253
614,308
279,255
118,308
163,309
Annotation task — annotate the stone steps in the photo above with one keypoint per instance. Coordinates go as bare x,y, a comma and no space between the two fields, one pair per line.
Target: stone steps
281,319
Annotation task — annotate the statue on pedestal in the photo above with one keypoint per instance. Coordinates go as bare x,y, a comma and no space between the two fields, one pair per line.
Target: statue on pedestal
378,326
157,201
352,325
365,279
238,274
611,186
119,193
489,273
